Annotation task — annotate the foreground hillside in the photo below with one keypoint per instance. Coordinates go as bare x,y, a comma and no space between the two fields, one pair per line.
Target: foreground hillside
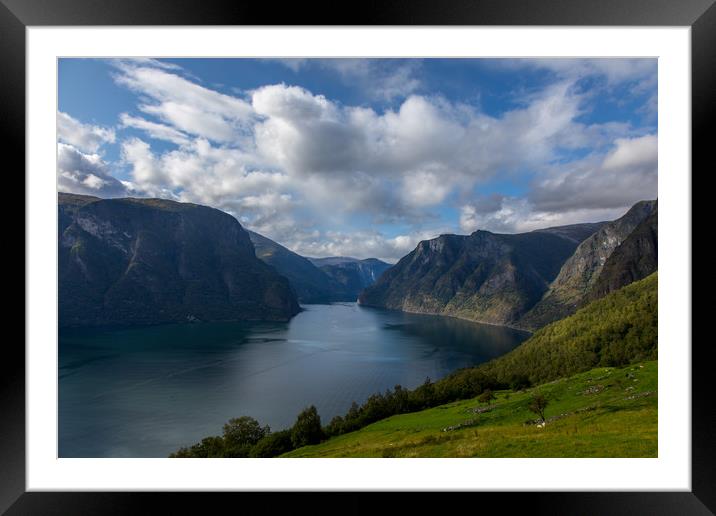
147,261
605,412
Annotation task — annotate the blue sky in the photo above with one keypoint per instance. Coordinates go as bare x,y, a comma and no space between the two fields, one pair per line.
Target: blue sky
365,157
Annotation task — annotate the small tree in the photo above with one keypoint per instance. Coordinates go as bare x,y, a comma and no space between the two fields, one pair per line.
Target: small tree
240,434
538,404
307,428
486,396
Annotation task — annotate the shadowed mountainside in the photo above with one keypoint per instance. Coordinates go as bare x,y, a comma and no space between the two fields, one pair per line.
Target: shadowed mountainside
147,261
485,277
580,273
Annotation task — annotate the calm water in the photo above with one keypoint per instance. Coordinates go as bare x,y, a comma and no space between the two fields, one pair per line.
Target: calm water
146,392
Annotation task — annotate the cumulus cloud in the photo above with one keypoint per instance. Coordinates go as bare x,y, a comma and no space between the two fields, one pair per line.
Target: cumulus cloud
82,173
598,187
626,174
85,137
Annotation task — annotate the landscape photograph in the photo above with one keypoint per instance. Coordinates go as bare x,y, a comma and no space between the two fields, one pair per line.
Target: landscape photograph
357,257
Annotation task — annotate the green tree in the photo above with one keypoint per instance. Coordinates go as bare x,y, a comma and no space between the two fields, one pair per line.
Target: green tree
240,434
538,404
307,428
209,447
273,445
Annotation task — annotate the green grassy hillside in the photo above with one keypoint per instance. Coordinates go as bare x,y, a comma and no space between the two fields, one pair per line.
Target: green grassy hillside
613,331
605,412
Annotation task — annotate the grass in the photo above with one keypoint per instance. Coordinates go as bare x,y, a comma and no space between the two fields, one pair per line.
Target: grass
604,412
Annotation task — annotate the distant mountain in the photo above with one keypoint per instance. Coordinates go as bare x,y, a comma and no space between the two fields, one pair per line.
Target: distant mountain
353,274
575,232
634,259
311,284
485,277
146,261
580,273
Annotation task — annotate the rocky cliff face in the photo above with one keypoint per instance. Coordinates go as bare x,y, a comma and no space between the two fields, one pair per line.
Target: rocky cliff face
484,277
634,259
580,273
147,261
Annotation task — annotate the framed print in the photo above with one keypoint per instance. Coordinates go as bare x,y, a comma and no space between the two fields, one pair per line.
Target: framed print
421,257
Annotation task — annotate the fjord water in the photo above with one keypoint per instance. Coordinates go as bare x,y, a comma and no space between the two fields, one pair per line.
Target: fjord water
145,392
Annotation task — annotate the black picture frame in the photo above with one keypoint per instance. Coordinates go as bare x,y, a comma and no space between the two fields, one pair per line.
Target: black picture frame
700,15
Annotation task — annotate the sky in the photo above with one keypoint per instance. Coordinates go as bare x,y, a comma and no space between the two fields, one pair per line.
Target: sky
365,157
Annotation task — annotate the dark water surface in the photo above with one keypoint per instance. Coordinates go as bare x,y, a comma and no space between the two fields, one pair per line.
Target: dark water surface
145,392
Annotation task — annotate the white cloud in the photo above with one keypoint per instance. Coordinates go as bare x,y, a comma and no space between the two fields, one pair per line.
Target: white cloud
623,176
380,79
614,70
294,165
185,105
153,129
601,186
358,244
633,152
78,172
85,137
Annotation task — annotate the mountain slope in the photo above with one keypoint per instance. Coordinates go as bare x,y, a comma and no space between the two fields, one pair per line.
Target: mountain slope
634,259
620,328
146,261
311,284
579,274
352,274
485,277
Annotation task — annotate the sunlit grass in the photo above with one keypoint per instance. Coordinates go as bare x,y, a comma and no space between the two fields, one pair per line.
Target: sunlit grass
605,412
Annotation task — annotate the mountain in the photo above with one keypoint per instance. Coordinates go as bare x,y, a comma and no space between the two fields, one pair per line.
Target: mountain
580,273
147,261
311,284
635,258
575,232
352,274
485,277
